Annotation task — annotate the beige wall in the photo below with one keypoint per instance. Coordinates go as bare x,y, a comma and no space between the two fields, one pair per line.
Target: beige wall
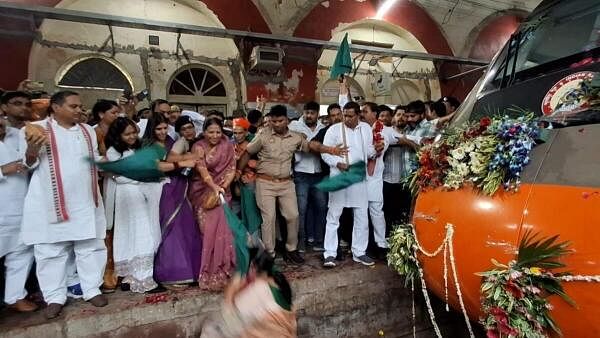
147,66
401,90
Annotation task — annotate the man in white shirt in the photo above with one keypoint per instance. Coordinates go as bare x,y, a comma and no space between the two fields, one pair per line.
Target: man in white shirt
18,257
307,173
384,138
358,138
63,211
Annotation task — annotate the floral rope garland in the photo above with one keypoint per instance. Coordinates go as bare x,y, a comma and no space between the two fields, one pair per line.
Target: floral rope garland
580,278
403,258
513,296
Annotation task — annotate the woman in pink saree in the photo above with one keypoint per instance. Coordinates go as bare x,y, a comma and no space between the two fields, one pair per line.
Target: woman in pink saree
214,173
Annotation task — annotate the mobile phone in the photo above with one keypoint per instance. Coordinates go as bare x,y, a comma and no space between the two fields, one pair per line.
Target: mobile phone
142,95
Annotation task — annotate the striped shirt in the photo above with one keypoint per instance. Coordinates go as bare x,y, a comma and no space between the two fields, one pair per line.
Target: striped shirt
401,161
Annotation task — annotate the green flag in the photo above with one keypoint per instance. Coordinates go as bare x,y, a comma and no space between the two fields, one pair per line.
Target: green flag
251,216
141,166
355,173
343,60
240,239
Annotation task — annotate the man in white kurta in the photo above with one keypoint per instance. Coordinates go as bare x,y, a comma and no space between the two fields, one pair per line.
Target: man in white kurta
18,257
76,222
359,140
375,181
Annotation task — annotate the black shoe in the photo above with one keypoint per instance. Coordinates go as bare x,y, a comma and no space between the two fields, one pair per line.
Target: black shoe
158,289
293,257
125,287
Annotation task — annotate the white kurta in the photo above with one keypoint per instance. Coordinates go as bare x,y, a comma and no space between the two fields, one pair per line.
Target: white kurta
137,231
86,221
18,258
375,182
360,148
13,189
306,162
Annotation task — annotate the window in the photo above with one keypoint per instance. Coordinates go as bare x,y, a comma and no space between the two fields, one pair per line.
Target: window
197,81
552,38
96,73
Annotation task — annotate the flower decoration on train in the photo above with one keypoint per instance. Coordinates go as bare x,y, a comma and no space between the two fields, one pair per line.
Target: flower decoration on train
487,154
515,296
402,256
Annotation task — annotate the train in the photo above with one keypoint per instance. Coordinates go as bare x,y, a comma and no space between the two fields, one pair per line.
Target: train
541,69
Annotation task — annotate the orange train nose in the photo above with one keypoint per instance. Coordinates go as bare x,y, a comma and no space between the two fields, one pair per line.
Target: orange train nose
488,228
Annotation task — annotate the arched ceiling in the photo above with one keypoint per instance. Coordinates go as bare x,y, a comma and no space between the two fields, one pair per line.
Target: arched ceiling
455,18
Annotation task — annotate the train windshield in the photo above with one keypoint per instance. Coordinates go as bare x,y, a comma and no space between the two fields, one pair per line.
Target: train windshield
553,37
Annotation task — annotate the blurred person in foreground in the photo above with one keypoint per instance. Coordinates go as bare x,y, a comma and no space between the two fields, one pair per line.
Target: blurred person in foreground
259,306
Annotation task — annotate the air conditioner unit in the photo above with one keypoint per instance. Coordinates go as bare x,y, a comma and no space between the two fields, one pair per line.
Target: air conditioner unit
266,58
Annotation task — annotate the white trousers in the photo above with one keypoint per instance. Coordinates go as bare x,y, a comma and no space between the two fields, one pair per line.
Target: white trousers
72,277
52,267
378,220
360,231
18,262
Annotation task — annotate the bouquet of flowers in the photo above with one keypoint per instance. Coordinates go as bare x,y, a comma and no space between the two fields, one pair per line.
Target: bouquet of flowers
432,165
487,154
514,296
516,139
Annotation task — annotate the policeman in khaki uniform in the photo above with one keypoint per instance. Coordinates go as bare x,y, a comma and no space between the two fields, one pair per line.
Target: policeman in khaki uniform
275,146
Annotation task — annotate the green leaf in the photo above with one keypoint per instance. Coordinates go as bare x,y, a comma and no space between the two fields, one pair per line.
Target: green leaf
540,252
486,286
497,293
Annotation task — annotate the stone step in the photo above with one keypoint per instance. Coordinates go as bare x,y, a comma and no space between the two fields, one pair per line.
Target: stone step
349,301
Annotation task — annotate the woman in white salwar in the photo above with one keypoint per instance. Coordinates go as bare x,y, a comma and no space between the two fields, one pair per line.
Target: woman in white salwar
135,209
137,229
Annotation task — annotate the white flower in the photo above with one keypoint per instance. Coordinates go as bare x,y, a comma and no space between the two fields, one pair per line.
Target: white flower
463,169
458,153
469,147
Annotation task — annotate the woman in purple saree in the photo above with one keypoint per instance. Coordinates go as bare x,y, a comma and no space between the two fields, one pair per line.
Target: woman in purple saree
177,261
215,172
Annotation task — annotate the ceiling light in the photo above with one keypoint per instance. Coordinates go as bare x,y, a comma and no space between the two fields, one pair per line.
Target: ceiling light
385,7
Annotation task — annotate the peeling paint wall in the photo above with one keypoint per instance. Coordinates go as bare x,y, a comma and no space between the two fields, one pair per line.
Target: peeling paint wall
438,27
374,79
147,66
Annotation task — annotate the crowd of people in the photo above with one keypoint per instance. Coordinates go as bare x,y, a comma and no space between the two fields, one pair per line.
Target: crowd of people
90,232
